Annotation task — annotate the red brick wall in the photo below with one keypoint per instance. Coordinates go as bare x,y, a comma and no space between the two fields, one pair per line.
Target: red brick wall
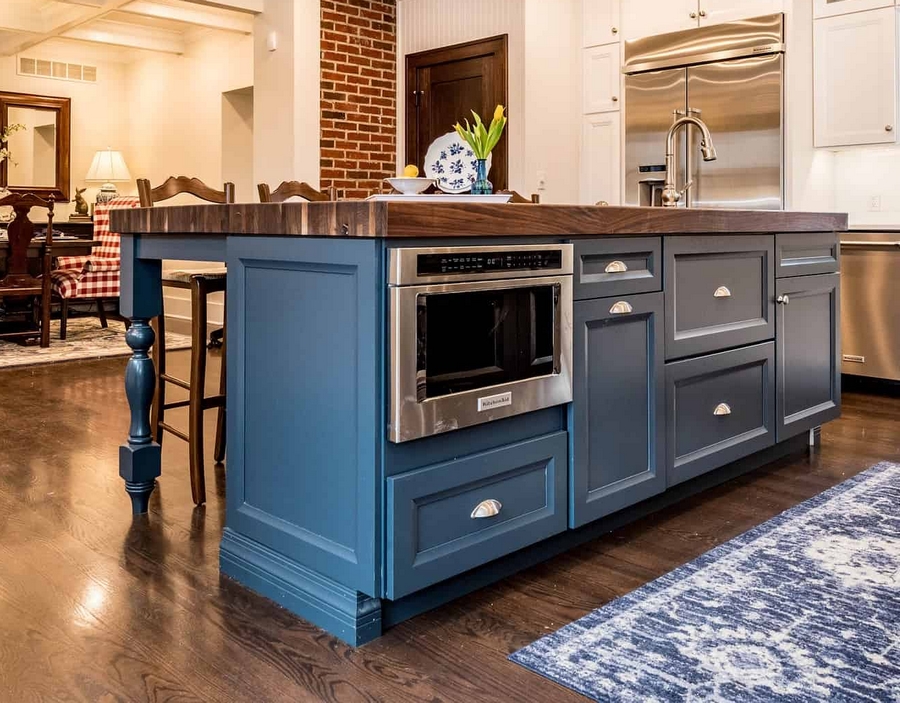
359,95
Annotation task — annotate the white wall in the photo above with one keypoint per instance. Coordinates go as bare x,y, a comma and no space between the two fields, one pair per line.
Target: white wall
237,143
97,109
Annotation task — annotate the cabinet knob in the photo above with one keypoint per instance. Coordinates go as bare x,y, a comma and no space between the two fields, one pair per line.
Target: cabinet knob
703,13
693,15
621,308
615,98
615,30
722,409
783,300
486,508
616,267
722,292
889,128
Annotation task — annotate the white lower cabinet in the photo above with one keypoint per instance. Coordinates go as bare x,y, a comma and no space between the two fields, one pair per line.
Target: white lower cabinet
856,78
600,158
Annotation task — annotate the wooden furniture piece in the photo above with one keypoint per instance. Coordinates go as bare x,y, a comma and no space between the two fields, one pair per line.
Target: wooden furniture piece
201,283
521,199
93,278
82,230
18,283
55,112
291,189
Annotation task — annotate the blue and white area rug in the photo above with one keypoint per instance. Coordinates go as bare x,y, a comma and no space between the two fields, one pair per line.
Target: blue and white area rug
805,607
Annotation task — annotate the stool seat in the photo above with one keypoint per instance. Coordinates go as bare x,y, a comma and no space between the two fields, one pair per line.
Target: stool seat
185,276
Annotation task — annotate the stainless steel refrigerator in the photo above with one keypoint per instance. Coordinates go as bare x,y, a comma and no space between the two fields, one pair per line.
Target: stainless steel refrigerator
730,75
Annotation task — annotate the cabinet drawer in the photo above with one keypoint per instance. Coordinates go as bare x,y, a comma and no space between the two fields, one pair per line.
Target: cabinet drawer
433,531
719,293
625,266
719,408
807,253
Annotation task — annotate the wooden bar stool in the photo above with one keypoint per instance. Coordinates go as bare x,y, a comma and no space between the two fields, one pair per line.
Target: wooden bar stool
290,189
201,283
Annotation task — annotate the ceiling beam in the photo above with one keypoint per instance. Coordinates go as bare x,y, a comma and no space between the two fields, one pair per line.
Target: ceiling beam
131,36
253,7
231,22
69,21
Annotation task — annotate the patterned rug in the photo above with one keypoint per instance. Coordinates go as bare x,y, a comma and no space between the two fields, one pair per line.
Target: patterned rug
805,607
85,339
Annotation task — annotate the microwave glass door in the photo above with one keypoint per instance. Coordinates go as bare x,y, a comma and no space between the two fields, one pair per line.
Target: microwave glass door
475,339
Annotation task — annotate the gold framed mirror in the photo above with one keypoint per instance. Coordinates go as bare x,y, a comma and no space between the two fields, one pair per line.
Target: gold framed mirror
39,152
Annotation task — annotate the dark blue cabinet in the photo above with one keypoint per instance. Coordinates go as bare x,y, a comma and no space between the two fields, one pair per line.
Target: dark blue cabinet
617,427
808,352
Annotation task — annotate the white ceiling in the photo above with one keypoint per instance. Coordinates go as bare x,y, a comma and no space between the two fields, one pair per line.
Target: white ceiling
118,30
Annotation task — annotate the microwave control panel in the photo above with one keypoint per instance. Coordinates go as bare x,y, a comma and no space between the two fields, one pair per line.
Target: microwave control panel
488,262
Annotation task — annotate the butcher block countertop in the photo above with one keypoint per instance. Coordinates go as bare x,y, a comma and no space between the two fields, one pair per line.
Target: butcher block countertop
395,220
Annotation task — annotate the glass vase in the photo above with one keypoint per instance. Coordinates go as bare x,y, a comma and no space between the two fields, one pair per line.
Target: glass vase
481,186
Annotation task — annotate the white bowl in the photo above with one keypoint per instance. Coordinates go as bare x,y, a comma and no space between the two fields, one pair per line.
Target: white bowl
410,186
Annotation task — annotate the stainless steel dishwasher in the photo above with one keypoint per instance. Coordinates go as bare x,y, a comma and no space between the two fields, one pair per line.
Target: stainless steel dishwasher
870,304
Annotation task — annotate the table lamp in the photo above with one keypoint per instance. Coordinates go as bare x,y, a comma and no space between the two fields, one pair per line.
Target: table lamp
107,167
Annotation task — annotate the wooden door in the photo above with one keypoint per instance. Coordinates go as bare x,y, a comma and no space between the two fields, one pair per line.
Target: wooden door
856,78
618,458
443,85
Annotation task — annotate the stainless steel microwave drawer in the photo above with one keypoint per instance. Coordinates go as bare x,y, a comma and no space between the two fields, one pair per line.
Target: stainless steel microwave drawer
446,519
617,266
719,293
719,408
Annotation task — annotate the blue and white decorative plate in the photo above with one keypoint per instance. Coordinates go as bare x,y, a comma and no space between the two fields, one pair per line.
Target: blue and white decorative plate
451,162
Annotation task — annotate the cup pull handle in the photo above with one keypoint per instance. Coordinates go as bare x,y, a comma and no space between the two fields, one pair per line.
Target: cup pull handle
616,267
722,292
621,308
722,409
486,508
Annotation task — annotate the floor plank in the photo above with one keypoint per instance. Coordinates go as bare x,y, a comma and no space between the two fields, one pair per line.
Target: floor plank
97,606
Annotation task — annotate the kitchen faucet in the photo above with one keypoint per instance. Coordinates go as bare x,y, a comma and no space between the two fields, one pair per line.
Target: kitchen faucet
671,195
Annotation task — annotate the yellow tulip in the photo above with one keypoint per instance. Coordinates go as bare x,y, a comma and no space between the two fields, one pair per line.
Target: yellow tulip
498,113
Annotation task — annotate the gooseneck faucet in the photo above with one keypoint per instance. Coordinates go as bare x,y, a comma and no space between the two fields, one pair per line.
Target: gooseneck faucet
670,194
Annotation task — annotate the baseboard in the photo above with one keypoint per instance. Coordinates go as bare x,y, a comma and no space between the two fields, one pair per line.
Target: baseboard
344,612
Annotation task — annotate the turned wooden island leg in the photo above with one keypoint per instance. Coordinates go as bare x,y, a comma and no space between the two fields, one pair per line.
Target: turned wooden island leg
139,458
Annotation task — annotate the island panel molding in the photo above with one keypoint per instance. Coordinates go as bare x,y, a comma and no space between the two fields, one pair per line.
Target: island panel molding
423,220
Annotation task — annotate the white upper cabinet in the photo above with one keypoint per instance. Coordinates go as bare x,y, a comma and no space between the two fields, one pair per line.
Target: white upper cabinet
829,8
856,78
601,22
600,166
716,11
601,78
643,18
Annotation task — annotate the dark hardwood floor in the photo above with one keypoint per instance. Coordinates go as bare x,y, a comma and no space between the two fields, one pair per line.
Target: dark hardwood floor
97,607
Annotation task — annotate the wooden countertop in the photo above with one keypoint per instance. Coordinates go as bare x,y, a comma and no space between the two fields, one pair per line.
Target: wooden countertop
399,220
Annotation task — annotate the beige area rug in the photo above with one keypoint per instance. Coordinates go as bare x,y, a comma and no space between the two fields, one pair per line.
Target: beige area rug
85,340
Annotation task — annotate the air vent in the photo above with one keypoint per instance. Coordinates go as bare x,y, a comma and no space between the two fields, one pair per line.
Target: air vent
57,69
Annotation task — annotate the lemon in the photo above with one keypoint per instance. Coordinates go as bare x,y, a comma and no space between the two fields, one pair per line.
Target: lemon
411,171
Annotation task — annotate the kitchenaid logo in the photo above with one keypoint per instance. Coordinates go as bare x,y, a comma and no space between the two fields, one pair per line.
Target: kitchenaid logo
494,401
762,48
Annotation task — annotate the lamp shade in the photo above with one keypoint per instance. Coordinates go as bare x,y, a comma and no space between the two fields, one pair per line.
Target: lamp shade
108,166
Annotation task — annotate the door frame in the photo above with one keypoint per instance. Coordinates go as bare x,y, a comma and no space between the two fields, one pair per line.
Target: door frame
498,45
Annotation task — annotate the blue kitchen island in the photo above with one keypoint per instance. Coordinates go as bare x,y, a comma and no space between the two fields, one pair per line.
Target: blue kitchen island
425,398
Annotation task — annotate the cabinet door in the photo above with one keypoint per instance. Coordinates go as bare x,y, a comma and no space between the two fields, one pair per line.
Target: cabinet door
829,8
808,338
601,75
644,18
715,11
600,22
600,158
856,78
617,426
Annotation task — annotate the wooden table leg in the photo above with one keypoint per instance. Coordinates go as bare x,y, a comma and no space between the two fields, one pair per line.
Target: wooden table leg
139,458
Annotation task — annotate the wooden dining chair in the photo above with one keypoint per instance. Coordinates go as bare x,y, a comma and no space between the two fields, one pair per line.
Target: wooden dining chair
201,283
18,282
291,189
521,199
